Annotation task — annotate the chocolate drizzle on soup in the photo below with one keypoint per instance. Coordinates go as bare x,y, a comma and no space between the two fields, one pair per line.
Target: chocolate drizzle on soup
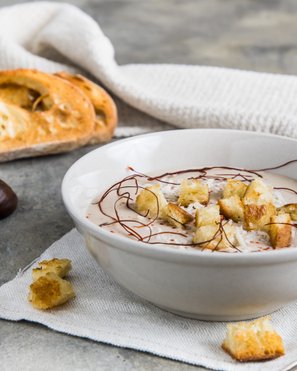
139,227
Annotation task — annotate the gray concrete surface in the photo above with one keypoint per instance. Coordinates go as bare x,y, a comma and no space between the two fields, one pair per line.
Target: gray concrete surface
249,34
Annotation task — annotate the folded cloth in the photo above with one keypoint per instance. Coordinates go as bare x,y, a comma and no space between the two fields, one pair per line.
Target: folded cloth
42,35
105,312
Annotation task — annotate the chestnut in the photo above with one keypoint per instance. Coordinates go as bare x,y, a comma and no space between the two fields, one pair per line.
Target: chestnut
8,200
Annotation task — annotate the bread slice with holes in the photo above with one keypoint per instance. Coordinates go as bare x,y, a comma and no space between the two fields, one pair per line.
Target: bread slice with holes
104,106
41,114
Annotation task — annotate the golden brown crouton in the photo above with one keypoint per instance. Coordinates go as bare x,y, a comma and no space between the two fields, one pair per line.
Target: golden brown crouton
211,237
256,217
206,236
208,215
193,190
151,201
176,216
232,208
234,188
59,266
289,209
49,291
258,193
253,341
280,234
258,205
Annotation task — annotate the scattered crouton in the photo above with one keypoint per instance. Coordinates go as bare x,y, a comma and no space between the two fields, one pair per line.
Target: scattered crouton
207,236
257,217
212,237
49,291
151,202
232,208
290,209
208,215
280,234
234,188
193,190
176,216
258,193
253,341
258,205
59,266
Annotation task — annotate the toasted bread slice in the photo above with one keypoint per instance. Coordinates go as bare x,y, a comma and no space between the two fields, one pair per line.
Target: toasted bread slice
280,231
253,341
104,106
41,114
61,267
49,291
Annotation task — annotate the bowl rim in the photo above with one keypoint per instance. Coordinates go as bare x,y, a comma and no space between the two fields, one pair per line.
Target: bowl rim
163,251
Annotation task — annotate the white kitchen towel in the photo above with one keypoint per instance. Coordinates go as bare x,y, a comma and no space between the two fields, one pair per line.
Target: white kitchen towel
58,36
105,312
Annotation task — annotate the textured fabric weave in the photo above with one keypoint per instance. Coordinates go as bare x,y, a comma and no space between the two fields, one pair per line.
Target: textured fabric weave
42,35
103,311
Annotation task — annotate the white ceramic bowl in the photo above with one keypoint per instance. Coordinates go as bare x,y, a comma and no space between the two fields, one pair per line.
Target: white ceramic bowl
204,285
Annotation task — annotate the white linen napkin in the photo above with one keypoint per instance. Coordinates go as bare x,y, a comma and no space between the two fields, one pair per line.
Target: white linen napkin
57,36
105,312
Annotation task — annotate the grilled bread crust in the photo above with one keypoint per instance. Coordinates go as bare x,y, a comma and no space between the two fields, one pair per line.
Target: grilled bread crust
104,107
41,114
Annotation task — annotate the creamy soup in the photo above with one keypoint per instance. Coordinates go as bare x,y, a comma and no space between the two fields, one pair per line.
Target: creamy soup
117,210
